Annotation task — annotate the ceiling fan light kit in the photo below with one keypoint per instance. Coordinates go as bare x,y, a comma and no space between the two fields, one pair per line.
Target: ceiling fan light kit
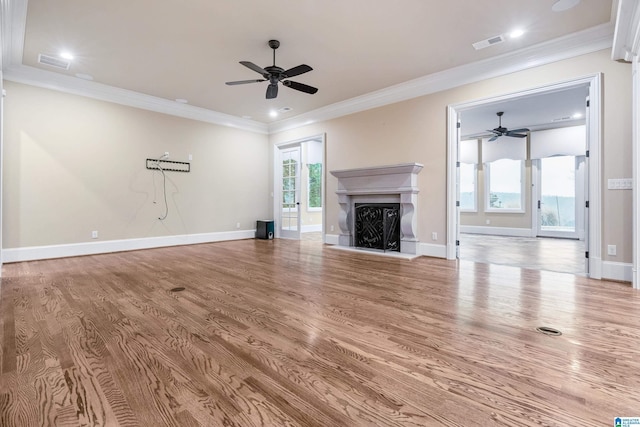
274,75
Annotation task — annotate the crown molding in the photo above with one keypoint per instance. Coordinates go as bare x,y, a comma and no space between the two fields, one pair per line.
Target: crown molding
73,85
580,43
12,30
626,41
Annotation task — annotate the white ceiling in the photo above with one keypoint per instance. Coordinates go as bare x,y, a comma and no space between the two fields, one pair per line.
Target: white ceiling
189,49
536,112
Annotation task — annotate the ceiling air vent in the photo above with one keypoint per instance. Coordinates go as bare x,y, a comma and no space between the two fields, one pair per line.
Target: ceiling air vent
54,61
488,42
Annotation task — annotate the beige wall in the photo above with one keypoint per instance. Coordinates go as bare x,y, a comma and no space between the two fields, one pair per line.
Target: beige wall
74,164
415,131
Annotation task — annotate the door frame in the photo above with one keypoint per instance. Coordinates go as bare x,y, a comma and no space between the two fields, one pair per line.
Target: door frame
594,146
277,178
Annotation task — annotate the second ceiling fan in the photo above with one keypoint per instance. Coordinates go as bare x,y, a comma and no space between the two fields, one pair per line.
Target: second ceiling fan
502,131
274,75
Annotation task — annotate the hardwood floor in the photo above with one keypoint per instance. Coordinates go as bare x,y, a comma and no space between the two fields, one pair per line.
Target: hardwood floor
538,253
274,333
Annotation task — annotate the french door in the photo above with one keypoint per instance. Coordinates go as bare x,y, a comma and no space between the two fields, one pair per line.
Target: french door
289,210
561,197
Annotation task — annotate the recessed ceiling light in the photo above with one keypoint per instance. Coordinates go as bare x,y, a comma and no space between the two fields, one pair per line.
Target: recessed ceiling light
516,33
181,100
577,116
273,113
84,76
66,55
562,5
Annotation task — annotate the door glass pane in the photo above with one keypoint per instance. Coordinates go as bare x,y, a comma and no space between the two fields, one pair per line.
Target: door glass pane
467,186
558,193
290,181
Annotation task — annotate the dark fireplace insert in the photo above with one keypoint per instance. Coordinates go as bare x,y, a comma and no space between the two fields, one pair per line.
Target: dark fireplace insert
377,226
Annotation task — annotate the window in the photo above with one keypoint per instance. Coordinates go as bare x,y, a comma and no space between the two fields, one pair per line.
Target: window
468,173
314,193
289,183
504,185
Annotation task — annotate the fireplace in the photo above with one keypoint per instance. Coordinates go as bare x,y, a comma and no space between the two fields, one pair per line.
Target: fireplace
377,226
393,188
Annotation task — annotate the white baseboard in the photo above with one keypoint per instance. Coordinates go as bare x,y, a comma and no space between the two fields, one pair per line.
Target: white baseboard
435,251
311,228
617,271
93,248
332,239
497,231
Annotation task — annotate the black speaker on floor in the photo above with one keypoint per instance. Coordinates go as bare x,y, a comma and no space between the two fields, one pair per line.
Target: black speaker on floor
264,229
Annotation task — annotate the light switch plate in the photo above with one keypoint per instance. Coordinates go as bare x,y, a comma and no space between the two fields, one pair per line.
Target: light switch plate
620,184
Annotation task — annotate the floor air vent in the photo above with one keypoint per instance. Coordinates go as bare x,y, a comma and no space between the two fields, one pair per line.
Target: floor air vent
549,331
54,61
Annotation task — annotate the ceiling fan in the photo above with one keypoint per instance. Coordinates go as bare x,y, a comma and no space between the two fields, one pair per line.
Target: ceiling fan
502,131
274,74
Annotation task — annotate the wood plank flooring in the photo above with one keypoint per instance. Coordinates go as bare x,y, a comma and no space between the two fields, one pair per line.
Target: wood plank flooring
538,253
284,333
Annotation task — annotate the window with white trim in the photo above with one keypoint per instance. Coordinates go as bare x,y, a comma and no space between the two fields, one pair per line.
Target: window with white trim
314,187
504,186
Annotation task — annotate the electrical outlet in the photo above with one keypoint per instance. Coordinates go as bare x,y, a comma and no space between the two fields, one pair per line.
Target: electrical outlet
434,236
190,157
237,225
94,234
166,154
611,250
488,221
332,228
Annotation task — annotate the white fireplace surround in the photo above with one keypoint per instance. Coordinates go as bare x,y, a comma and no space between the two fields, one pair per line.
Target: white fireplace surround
380,184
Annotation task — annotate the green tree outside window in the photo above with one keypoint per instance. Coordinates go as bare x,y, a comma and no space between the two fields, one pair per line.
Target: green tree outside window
315,185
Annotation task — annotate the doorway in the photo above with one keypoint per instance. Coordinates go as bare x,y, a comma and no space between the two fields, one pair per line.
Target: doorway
299,179
589,165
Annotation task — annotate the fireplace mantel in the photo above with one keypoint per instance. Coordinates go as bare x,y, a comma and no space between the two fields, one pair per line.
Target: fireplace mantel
399,181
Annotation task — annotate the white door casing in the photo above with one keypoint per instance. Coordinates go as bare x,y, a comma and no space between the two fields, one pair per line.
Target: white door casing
594,141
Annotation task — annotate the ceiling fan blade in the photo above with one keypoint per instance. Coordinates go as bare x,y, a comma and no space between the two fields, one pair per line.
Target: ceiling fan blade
518,130
254,67
300,86
296,71
495,132
494,138
272,90
516,135
243,82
